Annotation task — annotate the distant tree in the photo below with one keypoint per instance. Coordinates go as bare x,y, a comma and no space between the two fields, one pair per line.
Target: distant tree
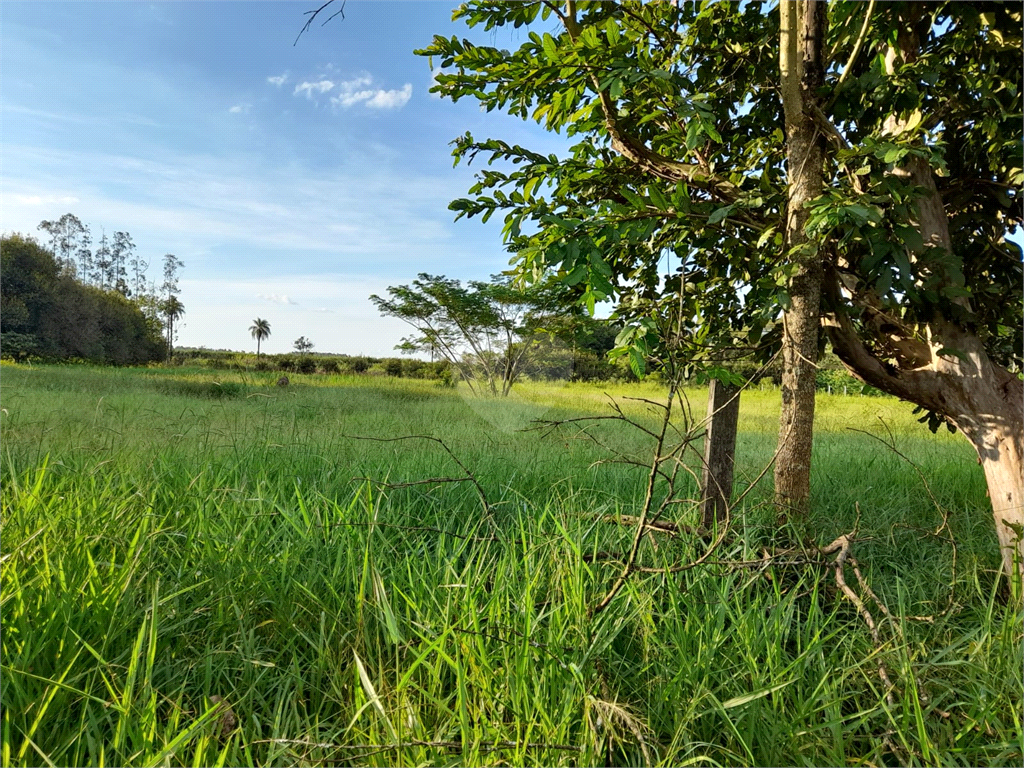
260,329
303,345
121,253
173,309
488,332
69,241
100,274
138,267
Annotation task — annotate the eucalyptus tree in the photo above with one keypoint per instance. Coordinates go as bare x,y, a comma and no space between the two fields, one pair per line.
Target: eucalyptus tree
69,241
854,168
101,263
122,253
171,307
260,330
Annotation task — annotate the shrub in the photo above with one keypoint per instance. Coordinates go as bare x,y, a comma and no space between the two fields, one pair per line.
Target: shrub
330,366
414,369
306,365
393,367
286,363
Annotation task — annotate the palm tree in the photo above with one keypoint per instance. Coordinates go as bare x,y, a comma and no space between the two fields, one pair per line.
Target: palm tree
260,329
173,310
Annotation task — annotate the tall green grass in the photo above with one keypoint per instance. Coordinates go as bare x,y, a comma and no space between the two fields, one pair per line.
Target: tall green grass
169,537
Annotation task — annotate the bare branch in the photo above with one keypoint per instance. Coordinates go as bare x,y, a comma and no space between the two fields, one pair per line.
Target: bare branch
314,13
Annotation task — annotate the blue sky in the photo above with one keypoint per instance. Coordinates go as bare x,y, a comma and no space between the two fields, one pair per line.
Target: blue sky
293,181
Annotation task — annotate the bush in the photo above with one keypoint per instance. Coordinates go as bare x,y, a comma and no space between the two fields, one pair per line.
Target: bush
393,367
306,365
263,364
330,366
286,363
447,378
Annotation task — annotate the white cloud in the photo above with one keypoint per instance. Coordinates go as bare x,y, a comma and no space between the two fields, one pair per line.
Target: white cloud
240,109
278,80
355,91
321,86
391,99
46,199
276,298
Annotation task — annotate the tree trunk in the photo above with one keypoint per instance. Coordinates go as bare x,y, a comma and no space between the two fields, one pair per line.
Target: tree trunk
983,400
998,442
719,453
802,30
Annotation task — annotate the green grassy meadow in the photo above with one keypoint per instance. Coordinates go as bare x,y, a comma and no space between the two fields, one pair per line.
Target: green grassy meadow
172,535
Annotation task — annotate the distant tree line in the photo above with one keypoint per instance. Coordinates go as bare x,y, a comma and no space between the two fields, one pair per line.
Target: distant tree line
62,300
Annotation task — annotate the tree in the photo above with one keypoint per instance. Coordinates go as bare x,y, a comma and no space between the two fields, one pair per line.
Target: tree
260,330
171,307
303,345
122,252
173,310
138,266
917,141
100,275
69,241
488,331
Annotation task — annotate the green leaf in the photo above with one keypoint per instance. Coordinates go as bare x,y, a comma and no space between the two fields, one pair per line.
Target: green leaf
894,155
740,700
910,237
637,364
765,236
611,31
718,214
550,47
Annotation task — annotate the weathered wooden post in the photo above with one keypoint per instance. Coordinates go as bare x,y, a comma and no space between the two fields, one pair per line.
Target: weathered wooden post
719,452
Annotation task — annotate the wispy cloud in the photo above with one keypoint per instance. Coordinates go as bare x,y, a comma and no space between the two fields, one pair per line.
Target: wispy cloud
372,216
390,99
278,80
356,91
46,199
320,86
277,298
240,109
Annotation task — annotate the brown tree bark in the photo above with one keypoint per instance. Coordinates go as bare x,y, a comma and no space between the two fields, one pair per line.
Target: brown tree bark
719,453
801,60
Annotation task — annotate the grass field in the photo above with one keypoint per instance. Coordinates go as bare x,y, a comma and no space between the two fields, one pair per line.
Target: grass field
171,536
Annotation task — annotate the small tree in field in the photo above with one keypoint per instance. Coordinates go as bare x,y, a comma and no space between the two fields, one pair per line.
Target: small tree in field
487,331
260,330
303,345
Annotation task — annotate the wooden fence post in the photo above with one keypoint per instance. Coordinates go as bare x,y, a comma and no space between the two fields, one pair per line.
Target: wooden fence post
719,452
